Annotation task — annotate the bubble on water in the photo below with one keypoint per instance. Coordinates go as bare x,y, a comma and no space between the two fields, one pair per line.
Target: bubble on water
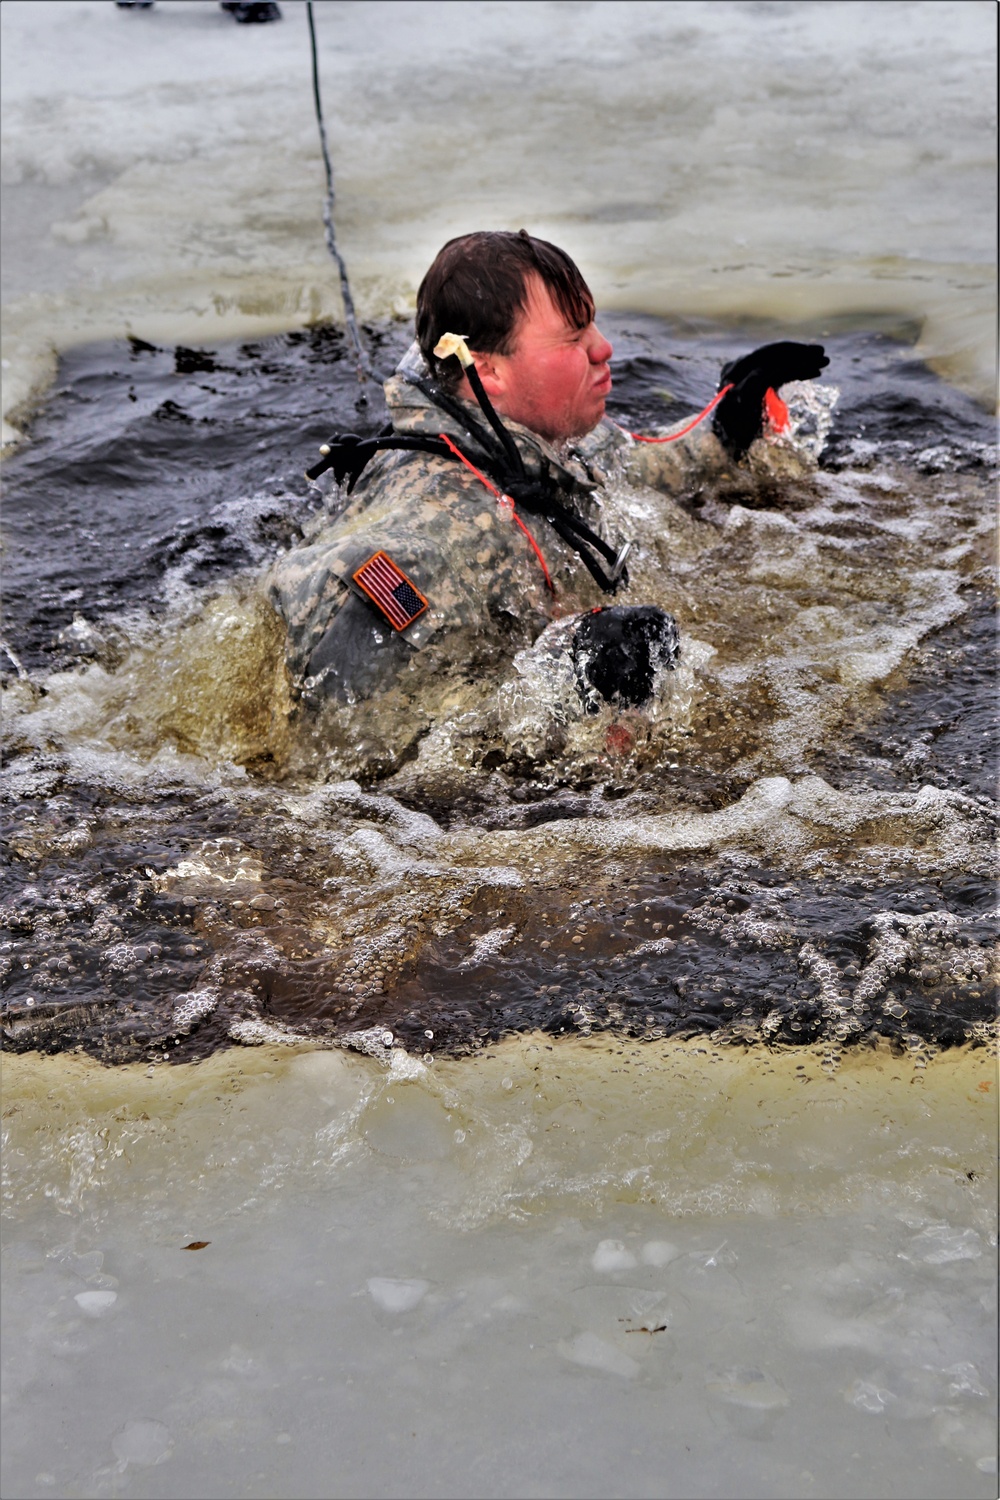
192,1007
251,1031
611,1255
144,1443
404,1068
489,946
395,1295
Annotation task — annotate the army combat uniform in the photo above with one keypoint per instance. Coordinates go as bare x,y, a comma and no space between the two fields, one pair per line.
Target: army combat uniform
458,573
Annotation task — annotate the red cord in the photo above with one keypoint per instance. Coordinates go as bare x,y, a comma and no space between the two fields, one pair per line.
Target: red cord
502,500
673,436
777,411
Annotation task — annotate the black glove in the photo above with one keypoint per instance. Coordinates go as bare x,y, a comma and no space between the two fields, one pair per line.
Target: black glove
739,416
617,650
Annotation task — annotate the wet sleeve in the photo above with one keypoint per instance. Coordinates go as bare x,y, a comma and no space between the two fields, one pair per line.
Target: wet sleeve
676,466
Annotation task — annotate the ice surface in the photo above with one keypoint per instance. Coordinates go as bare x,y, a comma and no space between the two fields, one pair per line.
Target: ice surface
746,1346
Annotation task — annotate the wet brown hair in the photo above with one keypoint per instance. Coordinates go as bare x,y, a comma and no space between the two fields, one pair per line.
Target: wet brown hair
478,287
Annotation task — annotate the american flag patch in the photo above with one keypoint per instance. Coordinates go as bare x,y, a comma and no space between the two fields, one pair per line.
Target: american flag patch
389,588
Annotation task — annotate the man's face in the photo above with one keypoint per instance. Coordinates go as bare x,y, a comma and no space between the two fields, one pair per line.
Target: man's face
557,379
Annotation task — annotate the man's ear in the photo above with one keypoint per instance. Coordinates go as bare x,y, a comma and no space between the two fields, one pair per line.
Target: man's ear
491,373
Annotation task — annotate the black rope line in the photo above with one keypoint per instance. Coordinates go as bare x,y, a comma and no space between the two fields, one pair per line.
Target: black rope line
480,435
348,455
364,365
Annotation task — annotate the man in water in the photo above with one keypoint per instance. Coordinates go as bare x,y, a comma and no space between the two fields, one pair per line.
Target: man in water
478,520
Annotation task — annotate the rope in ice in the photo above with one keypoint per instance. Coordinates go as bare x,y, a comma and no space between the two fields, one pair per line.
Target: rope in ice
364,365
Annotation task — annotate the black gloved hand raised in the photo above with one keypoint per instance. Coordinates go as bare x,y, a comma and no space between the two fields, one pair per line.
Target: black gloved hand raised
739,416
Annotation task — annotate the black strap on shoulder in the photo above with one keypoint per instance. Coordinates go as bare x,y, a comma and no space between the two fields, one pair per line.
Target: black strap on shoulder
348,455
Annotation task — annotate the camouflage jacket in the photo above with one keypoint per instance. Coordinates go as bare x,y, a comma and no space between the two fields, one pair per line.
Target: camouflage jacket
461,549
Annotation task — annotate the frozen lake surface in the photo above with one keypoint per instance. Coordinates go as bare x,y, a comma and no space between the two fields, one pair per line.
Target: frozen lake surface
512,1119
585,1269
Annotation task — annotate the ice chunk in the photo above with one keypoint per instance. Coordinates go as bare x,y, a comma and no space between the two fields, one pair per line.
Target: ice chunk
595,1353
659,1253
95,1304
397,1296
964,1380
940,1243
611,1255
752,1388
144,1443
868,1395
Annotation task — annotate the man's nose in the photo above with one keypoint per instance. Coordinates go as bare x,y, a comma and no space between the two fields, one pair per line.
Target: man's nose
600,350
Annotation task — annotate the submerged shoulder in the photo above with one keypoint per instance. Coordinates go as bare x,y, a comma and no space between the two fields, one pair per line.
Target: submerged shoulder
603,448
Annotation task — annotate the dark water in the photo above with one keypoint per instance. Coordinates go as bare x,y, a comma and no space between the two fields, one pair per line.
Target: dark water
154,473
